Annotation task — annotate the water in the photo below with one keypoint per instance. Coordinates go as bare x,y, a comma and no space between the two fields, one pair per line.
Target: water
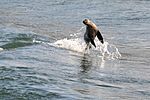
42,50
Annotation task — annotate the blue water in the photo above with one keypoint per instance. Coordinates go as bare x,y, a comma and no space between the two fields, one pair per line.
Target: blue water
42,57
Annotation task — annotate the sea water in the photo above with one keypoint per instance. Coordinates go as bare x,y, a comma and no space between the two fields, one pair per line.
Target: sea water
43,57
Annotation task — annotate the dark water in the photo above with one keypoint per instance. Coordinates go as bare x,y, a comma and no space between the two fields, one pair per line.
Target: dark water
31,68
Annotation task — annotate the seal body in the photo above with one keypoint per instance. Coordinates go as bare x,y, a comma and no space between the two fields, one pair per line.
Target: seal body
91,33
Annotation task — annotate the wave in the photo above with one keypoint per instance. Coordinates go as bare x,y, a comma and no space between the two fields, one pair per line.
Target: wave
12,39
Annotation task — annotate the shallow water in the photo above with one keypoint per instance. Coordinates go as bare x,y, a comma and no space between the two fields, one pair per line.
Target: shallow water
42,50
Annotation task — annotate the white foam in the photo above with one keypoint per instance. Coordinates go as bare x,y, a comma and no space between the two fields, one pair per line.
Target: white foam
1,49
106,50
77,44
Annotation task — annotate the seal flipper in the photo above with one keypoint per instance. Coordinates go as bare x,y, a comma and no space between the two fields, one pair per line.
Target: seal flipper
92,41
99,36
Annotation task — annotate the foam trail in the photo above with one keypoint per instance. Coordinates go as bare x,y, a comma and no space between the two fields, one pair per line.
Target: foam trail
74,44
77,44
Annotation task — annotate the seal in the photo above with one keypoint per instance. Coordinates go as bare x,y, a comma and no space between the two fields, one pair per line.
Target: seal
90,34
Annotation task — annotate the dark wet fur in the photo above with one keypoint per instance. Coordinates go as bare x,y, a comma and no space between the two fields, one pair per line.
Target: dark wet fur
91,33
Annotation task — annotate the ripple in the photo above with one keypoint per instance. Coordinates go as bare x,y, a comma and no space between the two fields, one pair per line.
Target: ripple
102,84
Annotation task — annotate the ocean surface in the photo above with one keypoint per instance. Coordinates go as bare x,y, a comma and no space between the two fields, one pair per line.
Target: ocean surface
42,54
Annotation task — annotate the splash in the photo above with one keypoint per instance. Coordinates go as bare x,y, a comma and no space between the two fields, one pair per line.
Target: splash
77,34
106,50
1,49
77,44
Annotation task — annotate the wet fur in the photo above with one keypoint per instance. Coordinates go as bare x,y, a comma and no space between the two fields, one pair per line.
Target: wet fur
91,33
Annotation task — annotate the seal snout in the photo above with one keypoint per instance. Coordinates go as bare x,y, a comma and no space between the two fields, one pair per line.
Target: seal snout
86,21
